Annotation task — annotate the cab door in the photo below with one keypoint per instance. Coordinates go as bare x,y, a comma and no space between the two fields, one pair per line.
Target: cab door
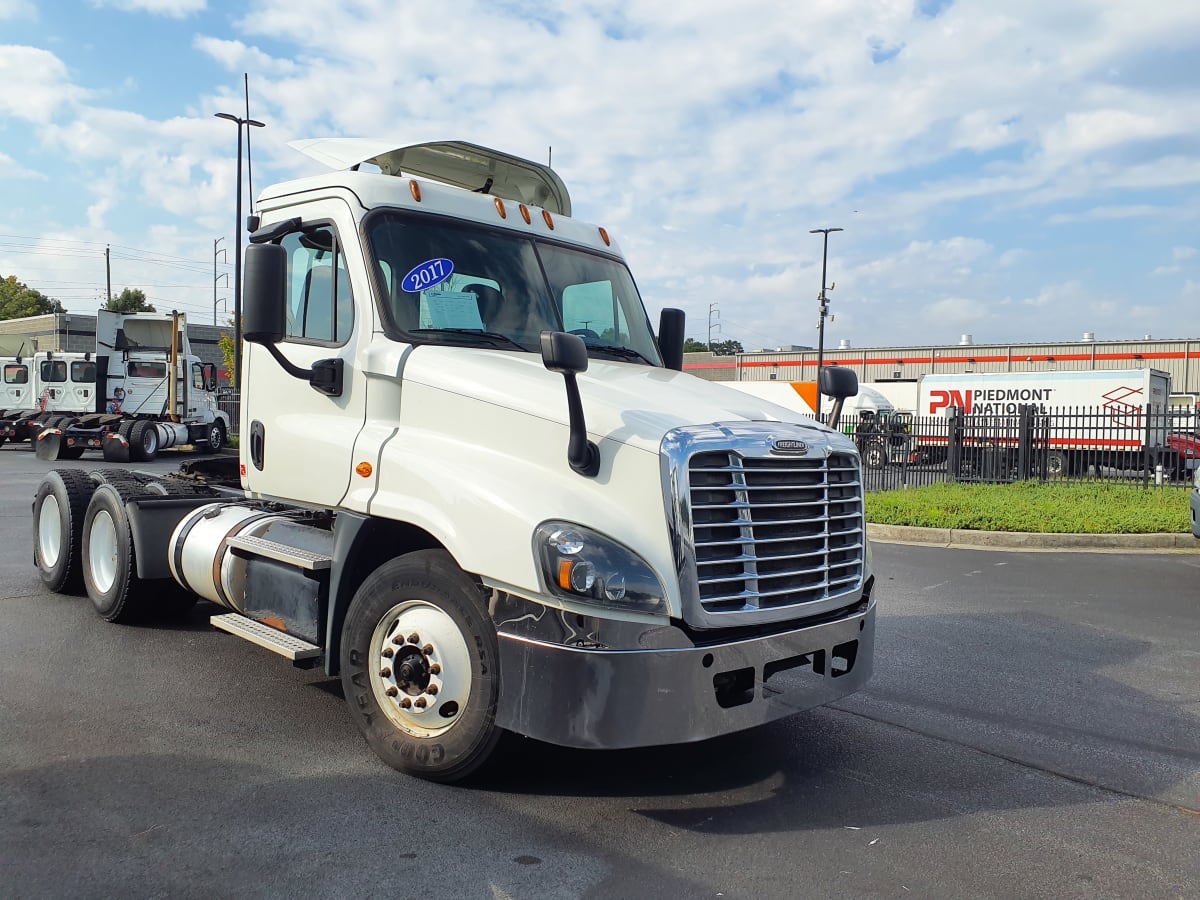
15,390
81,387
298,439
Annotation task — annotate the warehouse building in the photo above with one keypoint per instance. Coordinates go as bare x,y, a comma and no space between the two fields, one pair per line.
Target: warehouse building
1179,358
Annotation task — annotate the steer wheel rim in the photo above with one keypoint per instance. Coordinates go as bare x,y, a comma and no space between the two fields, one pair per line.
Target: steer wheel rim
102,552
423,685
49,531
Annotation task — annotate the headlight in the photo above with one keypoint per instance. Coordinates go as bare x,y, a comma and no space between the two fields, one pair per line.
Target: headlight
580,564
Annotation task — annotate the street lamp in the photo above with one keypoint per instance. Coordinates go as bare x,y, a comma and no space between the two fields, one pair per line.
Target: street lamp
824,311
237,250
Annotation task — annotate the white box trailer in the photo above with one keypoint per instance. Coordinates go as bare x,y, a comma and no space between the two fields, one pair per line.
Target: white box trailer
1109,418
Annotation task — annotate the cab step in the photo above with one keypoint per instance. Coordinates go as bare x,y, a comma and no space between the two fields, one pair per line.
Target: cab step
293,556
301,653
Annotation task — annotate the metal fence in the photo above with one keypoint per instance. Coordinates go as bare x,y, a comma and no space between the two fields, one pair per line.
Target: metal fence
1125,444
229,402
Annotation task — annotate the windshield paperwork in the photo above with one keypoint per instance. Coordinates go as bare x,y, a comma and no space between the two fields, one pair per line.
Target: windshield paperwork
453,283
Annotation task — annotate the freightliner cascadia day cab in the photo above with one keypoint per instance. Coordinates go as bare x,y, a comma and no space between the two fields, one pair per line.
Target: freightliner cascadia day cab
476,485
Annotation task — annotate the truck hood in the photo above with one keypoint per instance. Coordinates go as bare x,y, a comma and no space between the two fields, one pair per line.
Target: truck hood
633,404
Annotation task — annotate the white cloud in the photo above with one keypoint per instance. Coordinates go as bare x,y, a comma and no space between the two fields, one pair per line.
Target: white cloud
11,169
1161,271
175,9
36,85
17,9
1182,253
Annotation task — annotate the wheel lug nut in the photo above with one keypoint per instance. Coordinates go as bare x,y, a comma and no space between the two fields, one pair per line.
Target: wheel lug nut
414,638
427,649
397,640
435,669
432,690
392,691
405,703
389,652
385,672
420,703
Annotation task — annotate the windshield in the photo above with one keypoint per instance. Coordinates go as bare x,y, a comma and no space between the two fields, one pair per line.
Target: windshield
450,282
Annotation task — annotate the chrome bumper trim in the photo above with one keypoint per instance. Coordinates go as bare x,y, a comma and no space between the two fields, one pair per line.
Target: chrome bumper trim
578,697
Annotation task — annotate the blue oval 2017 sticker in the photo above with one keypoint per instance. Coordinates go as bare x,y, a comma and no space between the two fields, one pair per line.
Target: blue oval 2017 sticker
427,274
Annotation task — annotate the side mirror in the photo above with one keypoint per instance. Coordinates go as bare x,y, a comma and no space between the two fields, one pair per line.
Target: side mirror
566,354
208,372
838,383
264,303
670,338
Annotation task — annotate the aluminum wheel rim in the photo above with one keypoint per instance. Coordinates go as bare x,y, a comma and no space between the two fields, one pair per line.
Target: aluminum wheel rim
49,531
442,650
150,439
102,551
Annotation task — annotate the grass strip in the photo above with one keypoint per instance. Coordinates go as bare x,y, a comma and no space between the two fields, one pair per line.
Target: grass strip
1029,506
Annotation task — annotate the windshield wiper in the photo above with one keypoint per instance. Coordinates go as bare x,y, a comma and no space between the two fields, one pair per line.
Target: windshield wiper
494,337
621,352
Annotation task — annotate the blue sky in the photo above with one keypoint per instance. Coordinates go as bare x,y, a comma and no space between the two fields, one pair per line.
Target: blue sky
1021,171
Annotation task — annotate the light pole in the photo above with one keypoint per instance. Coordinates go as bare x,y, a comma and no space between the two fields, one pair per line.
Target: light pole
237,249
712,307
217,277
823,312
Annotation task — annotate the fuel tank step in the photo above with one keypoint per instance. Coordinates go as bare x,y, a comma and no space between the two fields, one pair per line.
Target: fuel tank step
285,645
268,549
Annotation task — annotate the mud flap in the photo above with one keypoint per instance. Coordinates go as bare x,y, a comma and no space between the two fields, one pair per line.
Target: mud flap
116,448
48,444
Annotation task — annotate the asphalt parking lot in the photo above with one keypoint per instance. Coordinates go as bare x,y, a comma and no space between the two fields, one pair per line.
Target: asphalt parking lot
1032,730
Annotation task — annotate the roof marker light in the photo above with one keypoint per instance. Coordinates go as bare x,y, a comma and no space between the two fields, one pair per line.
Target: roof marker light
604,236
525,214
415,189
500,208
549,219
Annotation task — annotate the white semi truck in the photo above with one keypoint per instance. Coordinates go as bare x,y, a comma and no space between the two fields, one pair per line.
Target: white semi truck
140,391
476,485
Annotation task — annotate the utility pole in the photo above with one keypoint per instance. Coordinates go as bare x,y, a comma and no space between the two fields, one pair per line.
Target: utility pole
711,308
107,275
824,311
217,277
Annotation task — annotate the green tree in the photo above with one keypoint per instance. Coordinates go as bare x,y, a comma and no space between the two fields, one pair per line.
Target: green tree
225,342
727,348
691,346
18,300
129,300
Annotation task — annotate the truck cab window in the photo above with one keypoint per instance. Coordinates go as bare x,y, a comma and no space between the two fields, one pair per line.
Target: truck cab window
54,370
16,374
83,372
147,370
197,377
320,302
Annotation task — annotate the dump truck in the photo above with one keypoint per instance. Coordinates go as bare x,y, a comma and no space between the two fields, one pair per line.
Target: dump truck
476,486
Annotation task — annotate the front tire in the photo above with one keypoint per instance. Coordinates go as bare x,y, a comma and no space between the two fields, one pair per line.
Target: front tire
216,437
143,441
420,667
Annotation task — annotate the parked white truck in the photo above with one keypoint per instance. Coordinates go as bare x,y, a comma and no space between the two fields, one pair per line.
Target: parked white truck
475,484
1115,418
140,391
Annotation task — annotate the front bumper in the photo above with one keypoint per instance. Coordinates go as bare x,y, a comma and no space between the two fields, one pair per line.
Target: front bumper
578,697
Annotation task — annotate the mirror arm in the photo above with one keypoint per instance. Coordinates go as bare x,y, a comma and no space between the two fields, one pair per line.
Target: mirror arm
325,375
582,454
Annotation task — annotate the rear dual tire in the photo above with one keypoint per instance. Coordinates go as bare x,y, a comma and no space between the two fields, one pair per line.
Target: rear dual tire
59,509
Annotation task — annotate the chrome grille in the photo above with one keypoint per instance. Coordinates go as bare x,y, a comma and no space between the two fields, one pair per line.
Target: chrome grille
774,532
